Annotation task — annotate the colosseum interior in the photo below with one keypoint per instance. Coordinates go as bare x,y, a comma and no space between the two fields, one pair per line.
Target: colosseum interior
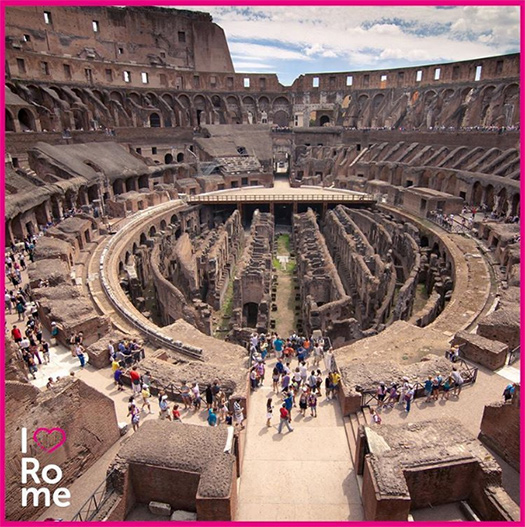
158,196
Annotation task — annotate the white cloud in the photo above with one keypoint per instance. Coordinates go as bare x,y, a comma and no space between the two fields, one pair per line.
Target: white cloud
244,66
246,49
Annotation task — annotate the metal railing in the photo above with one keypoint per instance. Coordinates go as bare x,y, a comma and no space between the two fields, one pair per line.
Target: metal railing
468,373
94,503
282,198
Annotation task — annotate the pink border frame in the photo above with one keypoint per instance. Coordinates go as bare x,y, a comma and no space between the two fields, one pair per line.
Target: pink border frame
6,3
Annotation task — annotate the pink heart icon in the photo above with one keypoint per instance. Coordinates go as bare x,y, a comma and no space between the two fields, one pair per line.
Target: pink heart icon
54,438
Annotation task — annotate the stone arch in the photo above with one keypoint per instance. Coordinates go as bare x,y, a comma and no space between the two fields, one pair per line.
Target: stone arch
134,249
163,225
323,120
447,94
511,92
450,185
477,194
489,197
144,181
135,97
264,104
199,103
154,120
9,121
168,159
180,157
216,101
152,231
142,239
27,120
118,187
116,96
424,180
503,204
281,118
377,100
127,256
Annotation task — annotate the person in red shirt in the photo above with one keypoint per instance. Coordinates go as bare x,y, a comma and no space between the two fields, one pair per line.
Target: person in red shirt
284,419
16,334
176,413
134,375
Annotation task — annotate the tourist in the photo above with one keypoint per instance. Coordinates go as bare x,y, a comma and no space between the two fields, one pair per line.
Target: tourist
21,310
297,377
79,352
312,381
238,414
269,412
376,418
381,394
409,396
54,333
447,385
303,401
117,375
31,364
146,395
16,334
229,419
304,372
428,388
208,395
223,411
212,417
312,403
318,354
8,303
335,378
328,359
284,419
44,346
185,395
393,396
285,382
134,376
50,383
319,376
436,386
275,379
216,393
176,413
278,347
508,392
458,382
289,403
260,369
164,407
134,412
196,395
253,378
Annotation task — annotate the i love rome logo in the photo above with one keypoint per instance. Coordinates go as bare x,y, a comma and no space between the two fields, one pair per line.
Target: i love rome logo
34,475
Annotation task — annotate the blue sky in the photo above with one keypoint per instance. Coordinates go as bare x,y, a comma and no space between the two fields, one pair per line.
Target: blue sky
290,41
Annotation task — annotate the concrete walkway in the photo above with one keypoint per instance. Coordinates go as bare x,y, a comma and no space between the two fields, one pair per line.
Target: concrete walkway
304,475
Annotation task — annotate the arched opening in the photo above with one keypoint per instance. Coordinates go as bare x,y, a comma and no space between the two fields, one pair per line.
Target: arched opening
130,184
435,249
280,118
489,197
27,120
180,157
134,249
424,241
154,120
477,194
118,187
144,181
9,122
120,268
168,158
174,220
250,311
324,120
503,204
142,239
152,231
127,257
163,225
515,207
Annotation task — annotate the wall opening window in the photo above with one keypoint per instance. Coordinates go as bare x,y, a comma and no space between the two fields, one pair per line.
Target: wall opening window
229,82
182,37
419,75
162,54
437,74
144,77
179,83
21,65
499,67
332,82
349,80
383,78
67,71
163,79
120,51
47,17
26,38
96,27
89,75
127,76
246,82
196,81
478,73
315,82
109,75
366,81
44,67
213,81
154,150
455,73
138,150
262,83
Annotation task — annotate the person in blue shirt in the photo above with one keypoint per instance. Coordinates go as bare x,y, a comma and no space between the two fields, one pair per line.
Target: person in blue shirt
288,404
212,417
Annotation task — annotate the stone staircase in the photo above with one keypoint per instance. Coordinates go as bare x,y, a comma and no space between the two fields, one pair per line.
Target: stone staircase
352,423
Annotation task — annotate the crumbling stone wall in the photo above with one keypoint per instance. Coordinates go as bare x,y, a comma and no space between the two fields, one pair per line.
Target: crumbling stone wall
500,429
71,405
323,297
252,283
